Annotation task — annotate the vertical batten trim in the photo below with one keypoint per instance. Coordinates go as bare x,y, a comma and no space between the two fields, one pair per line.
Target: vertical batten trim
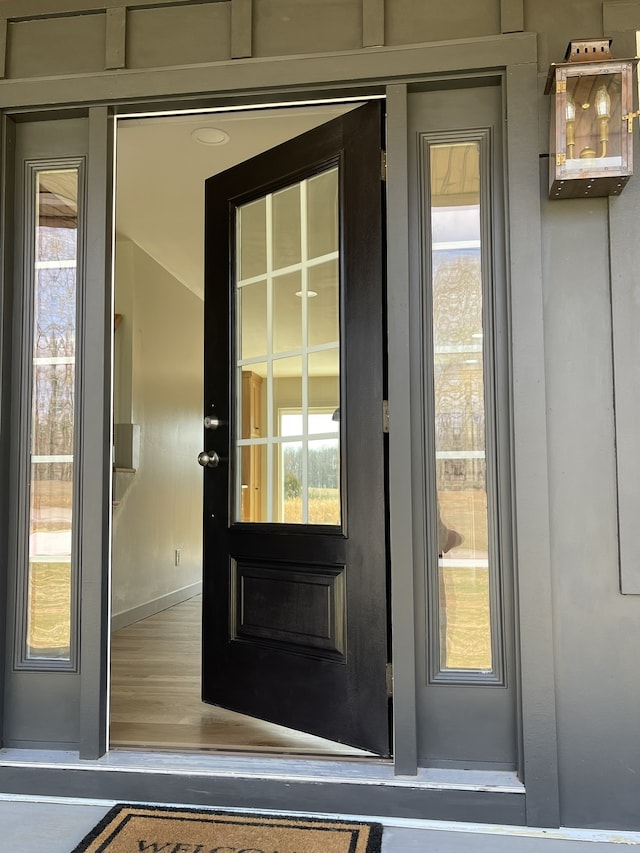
94,456
116,34
7,270
4,28
538,731
372,23
624,254
511,16
241,28
401,502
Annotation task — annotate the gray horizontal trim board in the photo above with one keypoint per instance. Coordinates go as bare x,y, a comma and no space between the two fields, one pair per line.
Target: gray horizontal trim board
156,605
375,771
16,10
263,793
280,73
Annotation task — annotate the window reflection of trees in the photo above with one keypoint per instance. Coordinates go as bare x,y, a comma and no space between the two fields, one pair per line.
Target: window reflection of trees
54,343
458,381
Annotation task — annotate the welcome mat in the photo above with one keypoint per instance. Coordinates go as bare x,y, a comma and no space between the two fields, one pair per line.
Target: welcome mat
154,829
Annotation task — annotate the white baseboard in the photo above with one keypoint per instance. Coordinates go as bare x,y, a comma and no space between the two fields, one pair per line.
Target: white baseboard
157,605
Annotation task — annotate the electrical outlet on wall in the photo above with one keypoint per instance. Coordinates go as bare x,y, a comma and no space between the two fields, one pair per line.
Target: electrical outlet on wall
178,556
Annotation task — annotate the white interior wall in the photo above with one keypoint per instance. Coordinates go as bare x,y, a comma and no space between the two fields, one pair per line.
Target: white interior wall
159,358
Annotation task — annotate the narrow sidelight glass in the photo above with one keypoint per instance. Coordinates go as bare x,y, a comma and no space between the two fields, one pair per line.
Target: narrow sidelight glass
52,423
459,259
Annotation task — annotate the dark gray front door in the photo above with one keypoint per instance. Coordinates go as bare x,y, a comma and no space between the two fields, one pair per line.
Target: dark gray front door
295,582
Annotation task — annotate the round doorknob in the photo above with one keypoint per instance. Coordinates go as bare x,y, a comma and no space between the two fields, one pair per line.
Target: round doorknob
208,459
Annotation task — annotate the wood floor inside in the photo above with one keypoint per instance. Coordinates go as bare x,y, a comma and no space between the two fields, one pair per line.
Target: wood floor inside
155,695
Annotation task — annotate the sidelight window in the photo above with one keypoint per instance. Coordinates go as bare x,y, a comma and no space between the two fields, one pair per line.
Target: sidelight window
464,588
49,415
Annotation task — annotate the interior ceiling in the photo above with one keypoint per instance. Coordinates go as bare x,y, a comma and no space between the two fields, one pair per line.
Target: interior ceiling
161,172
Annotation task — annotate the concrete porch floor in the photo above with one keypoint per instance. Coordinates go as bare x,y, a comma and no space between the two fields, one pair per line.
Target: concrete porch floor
36,825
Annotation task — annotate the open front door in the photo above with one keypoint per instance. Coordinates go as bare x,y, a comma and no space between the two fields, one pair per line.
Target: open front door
295,590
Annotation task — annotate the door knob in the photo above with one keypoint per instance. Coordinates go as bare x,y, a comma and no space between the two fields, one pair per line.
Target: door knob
208,459
211,422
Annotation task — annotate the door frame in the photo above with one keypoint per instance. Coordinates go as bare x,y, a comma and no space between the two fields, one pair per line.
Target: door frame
513,57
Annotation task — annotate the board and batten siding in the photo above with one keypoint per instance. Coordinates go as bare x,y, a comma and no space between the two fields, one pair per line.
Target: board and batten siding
111,34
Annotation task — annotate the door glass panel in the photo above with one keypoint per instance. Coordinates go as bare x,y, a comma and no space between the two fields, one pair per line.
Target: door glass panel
251,397
252,494
252,239
52,450
288,346
324,383
290,472
322,216
324,474
251,400
323,303
253,310
288,388
287,312
458,363
287,249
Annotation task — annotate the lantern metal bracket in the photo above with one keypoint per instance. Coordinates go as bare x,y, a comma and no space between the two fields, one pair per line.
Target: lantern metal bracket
629,117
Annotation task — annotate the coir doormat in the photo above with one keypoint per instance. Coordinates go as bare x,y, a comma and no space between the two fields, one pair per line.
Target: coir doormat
152,829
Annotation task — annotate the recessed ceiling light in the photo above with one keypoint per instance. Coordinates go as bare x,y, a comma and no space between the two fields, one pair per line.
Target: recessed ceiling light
210,136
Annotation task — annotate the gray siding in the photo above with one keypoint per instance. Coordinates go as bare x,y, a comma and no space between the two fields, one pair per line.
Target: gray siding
596,629
34,47
175,36
294,26
408,22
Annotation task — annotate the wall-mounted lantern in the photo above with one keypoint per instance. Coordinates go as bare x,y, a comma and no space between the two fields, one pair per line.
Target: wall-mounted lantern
591,140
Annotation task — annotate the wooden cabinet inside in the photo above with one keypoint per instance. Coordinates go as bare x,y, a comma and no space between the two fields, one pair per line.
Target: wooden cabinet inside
252,427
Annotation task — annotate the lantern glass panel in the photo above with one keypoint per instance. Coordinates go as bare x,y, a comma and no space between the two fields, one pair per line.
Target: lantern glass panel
593,121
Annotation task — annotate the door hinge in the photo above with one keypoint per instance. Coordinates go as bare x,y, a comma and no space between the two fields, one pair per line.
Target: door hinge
389,678
385,416
383,165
